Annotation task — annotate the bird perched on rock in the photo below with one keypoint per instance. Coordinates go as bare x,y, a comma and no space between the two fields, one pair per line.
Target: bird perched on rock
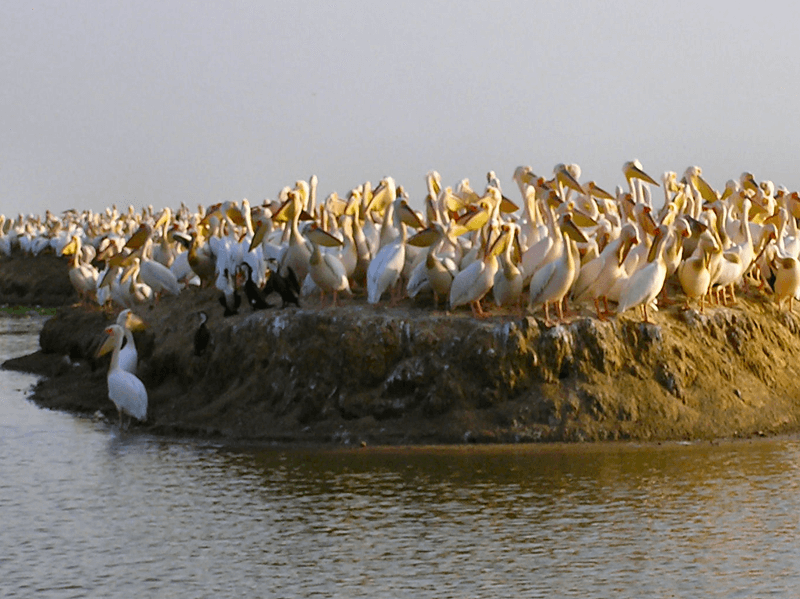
202,337
288,287
252,291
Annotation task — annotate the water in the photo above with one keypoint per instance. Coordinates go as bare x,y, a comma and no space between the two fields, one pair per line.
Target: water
88,511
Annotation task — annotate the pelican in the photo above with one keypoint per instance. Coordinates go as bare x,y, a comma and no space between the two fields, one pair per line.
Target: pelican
82,276
128,356
124,388
470,285
551,283
645,284
385,268
787,279
154,274
298,252
598,277
439,267
693,273
326,270
508,285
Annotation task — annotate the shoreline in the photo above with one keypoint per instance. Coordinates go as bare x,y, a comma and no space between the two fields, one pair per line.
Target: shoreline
408,375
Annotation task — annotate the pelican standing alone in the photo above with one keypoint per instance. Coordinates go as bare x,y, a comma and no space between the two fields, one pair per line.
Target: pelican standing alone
124,388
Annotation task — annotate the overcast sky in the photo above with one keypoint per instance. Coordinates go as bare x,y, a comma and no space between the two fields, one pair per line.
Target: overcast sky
158,102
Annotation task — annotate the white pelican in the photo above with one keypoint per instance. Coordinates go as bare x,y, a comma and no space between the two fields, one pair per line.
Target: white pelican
508,285
693,273
551,283
645,284
128,356
124,388
82,276
471,284
385,268
298,251
153,274
326,269
598,277
787,279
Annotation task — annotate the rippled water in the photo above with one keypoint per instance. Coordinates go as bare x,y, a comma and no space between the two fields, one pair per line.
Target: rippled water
89,511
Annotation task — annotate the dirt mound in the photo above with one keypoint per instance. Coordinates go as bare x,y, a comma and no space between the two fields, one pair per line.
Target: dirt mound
409,374
35,280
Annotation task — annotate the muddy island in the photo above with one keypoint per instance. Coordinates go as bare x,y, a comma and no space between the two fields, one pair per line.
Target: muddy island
411,374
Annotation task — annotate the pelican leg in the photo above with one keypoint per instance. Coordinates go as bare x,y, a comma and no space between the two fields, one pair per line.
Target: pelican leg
644,309
560,309
665,300
600,315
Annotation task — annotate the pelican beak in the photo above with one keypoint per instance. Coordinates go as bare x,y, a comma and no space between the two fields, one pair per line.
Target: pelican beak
634,172
452,202
137,239
285,213
598,192
749,182
107,346
235,215
320,236
380,198
70,248
424,238
582,219
408,216
135,323
567,180
572,230
474,220
553,200
258,237
507,205
708,194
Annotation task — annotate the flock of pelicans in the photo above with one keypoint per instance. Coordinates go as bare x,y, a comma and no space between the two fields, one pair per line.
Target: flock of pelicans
560,240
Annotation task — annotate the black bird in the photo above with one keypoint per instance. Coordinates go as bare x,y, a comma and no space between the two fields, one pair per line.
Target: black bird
230,298
771,277
202,336
288,287
253,292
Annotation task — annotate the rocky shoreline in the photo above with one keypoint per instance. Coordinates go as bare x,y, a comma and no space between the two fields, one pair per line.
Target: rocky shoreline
411,375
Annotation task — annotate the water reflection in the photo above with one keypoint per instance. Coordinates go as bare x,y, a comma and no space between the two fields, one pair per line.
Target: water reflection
90,510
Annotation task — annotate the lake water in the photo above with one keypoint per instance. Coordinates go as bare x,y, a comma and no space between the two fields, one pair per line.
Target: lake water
88,511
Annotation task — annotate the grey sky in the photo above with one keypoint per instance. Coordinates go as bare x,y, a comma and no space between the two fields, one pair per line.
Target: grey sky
154,102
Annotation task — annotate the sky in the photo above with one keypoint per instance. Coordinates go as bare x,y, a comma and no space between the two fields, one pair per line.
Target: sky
162,102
